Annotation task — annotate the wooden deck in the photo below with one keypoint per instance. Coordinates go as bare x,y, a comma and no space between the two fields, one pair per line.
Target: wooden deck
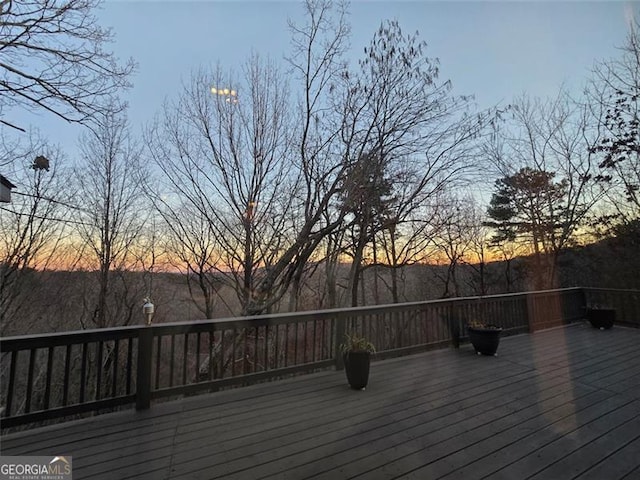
558,404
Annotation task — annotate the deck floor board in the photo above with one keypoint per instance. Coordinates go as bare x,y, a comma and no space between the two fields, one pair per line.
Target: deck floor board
560,403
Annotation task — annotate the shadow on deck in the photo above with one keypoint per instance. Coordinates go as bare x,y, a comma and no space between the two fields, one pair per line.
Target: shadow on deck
558,404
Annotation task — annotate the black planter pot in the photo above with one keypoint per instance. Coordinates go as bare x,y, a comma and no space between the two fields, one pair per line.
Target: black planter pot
485,340
601,318
356,365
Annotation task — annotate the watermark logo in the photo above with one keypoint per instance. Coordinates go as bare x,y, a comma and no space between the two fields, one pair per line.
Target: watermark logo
36,468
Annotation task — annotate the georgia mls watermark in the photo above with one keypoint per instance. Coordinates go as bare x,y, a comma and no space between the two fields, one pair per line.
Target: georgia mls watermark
35,468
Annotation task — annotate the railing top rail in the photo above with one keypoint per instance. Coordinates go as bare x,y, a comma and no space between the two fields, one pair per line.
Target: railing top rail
367,309
43,340
112,333
618,290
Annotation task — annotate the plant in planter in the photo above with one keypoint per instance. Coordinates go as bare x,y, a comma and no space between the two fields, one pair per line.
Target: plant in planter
600,316
356,352
485,338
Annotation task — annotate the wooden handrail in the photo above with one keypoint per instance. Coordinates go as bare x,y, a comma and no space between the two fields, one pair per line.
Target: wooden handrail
50,375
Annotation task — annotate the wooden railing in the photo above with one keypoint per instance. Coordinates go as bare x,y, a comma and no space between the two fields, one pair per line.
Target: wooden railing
64,374
626,303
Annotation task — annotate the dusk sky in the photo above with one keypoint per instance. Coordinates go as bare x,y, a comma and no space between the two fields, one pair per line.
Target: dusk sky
494,50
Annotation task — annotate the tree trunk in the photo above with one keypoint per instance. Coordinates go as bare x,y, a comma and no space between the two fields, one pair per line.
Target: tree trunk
394,266
354,273
376,292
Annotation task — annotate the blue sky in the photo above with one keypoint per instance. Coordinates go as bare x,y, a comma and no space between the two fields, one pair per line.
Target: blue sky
494,50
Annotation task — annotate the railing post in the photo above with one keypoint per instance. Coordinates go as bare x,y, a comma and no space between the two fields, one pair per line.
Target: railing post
581,306
340,331
143,377
454,324
531,313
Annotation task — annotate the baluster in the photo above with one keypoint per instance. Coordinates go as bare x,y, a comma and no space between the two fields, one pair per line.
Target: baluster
116,358
172,359
99,373
286,345
295,345
222,354
83,372
32,359
244,350
158,360
212,345
277,348
130,364
185,353
67,370
197,362
314,339
12,381
266,348
233,351
47,388
255,349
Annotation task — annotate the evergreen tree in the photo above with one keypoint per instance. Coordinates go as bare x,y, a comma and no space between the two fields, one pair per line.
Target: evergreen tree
530,206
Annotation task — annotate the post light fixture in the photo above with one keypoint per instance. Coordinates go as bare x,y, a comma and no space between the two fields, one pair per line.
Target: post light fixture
148,310
230,96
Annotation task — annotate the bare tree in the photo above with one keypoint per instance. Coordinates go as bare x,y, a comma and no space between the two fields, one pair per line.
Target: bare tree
478,240
453,243
109,185
54,59
226,175
263,176
507,252
366,195
546,161
614,95
404,243
400,117
321,162
272,205
393,110
32,224
193,249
